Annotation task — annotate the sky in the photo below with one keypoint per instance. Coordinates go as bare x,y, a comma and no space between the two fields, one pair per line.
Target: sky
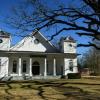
5,11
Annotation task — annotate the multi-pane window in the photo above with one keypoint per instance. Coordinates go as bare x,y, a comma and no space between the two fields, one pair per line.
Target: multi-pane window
14,70
24,66
70,65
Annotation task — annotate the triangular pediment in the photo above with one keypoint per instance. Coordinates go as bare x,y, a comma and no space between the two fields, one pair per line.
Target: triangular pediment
35,42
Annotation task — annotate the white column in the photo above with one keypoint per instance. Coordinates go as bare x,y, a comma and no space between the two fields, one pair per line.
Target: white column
45,67
54,67
19,68
30,67
75,68
9,69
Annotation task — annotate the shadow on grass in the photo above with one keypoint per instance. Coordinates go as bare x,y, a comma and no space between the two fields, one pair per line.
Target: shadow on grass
9,95
66,91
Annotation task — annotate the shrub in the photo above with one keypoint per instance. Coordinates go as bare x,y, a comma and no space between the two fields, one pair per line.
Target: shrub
74,76
94,74
63,77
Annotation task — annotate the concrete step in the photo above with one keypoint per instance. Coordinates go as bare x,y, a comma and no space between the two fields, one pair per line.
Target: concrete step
6,78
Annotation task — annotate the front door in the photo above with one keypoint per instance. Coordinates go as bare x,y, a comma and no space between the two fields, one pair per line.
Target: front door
35,68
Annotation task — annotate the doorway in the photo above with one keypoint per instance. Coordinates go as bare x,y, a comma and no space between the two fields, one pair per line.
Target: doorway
35,68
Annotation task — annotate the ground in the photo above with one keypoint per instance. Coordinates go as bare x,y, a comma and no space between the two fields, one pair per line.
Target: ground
73,89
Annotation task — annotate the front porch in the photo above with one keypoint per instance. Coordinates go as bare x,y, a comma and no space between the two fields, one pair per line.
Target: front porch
35,66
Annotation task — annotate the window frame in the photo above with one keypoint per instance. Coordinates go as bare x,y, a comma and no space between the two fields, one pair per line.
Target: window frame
15,65
24,67
71,65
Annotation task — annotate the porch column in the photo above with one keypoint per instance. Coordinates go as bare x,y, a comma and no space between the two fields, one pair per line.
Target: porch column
8,70
45,67
30,67
9,66
54,67
19,70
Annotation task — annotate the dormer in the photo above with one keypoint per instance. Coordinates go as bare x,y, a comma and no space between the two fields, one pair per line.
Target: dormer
4,40
68,45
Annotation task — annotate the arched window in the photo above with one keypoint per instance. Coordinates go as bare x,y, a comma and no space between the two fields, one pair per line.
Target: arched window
35,63
70,65
24,66
14,70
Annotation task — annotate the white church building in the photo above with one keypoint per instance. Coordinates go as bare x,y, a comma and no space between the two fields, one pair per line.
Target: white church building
35,57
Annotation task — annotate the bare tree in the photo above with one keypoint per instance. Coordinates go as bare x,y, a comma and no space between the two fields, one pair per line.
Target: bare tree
85,19
91,60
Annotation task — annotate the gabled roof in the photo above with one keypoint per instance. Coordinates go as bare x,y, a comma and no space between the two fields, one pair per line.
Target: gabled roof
68,39
42,39
37,32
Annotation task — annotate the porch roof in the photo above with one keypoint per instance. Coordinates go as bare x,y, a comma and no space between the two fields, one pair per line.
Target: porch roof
33,53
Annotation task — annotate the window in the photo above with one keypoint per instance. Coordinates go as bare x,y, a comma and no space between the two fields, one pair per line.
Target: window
14,66
24,66
1,40
36,41
70,45
0,64
70,65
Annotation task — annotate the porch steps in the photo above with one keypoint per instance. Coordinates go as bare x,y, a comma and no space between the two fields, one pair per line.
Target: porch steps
6,78
9,78
45,77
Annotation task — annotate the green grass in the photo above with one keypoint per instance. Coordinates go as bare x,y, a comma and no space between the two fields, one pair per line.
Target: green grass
74,89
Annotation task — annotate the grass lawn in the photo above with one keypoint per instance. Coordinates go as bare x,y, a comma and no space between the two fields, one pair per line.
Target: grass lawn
77,89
